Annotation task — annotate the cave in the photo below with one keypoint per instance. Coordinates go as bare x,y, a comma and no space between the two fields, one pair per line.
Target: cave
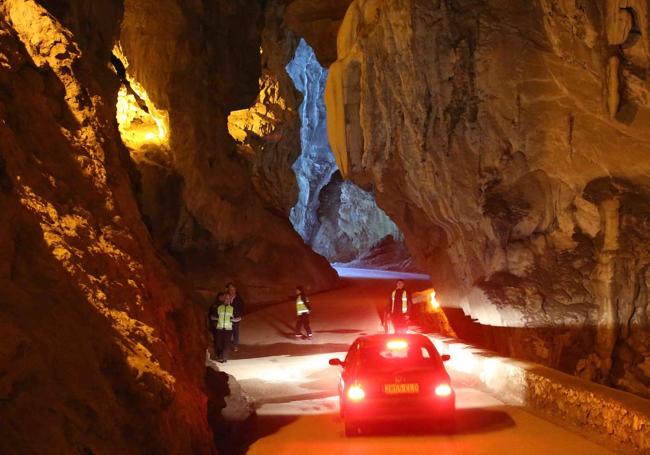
153,151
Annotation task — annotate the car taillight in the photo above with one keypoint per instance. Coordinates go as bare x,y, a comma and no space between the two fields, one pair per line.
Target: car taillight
356,393
443,390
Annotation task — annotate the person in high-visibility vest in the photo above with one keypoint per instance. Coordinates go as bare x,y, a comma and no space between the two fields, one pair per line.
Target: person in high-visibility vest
221,315
303,308
238,307
399,308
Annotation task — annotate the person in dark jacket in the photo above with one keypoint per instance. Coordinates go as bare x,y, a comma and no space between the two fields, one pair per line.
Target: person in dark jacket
303,308
238,306
399,308
220,321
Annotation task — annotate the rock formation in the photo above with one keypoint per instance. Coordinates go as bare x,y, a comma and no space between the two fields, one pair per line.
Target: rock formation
222,226
350,223
338,219
103,348
509,141
103,339
315,164
318,22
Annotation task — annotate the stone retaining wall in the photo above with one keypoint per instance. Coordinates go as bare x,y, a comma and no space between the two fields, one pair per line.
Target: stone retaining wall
620,415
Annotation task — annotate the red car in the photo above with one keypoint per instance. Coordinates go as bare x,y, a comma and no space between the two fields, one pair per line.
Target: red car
395,377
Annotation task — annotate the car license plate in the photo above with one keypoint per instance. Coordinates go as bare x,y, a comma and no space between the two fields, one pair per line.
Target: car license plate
395,389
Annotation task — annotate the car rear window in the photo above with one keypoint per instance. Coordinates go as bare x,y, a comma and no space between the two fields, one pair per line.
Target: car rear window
381,355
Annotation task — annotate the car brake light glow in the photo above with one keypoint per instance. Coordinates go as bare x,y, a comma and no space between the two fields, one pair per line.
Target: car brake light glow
356,393
443,390
397,345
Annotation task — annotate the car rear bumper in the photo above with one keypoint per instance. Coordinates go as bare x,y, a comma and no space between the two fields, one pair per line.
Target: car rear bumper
381,409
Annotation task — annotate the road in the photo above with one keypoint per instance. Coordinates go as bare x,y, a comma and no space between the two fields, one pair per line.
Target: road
294,387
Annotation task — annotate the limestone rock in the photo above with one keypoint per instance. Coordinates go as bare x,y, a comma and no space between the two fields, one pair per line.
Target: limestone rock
268,133
350,223
318,22
339,220
97,330
315,164
228,228
484,127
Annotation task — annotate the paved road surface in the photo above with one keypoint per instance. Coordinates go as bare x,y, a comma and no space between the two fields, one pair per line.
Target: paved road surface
295,388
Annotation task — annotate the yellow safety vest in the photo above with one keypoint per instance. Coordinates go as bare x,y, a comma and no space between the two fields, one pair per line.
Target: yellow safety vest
224,313
301,307
405,302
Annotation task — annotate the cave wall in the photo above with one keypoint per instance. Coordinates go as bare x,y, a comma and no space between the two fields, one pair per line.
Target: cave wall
199,62
317,22
509,141
102,346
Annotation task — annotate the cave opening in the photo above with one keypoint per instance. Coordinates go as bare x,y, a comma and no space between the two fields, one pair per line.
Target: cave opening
339,220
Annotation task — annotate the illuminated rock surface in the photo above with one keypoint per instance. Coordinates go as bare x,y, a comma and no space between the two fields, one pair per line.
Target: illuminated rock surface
509,141
222,226
102,348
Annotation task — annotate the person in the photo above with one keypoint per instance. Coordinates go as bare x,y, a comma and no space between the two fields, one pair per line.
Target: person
303,308
399,308
221,315
238,307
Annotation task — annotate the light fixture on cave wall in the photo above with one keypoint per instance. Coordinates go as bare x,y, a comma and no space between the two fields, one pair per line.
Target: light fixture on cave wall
141,124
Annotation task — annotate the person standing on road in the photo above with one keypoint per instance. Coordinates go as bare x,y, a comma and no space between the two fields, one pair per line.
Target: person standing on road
238,307
221,314
399,308
303,308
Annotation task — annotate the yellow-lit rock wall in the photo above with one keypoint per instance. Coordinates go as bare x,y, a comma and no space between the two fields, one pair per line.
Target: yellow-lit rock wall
102,346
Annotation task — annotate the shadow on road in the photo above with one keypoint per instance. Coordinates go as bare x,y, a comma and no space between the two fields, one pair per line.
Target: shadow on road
468,421
248,351
480,420
281,326
475,420
256,427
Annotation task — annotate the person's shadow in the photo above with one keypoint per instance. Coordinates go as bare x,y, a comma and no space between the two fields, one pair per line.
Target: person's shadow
281,326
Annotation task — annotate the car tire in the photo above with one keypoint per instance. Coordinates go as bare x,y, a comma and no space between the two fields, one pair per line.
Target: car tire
352,429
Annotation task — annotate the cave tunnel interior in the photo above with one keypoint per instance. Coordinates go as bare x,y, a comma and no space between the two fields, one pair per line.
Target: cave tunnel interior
155,150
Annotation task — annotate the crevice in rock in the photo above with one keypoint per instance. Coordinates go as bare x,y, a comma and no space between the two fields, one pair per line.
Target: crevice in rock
337,218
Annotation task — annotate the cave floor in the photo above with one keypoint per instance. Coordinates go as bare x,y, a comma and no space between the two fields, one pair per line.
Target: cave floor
295,389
